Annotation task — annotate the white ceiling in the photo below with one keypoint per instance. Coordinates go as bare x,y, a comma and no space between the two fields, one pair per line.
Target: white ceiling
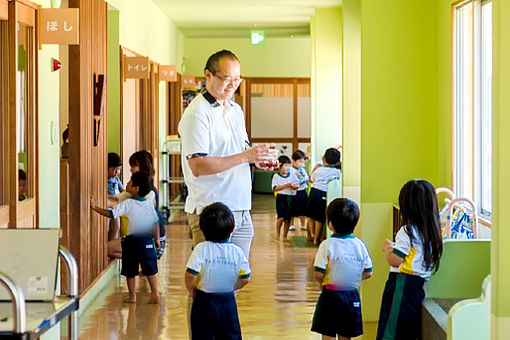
231,18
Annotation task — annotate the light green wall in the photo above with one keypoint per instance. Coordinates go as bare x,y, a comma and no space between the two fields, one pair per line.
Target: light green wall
113,83
326,46
278,57
351,170
500,252
399,137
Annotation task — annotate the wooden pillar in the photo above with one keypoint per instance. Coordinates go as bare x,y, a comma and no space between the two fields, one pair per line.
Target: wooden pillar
87,162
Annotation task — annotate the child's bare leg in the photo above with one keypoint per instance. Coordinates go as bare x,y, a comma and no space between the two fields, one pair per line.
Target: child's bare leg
325,337
292,221
279,223
131,284
303,225
114,227
339,337
310,228
286,226
317,233
153,282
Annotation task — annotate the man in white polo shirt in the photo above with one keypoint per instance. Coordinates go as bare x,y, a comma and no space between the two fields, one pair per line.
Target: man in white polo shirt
216,152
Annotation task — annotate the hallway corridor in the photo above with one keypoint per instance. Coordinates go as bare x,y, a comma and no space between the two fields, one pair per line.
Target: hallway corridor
278,303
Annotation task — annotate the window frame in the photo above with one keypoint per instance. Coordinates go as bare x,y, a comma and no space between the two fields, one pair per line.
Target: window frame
471,104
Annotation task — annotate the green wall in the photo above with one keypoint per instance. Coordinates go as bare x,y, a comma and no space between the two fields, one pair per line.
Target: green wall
326,82
278,57
113,83
399,138
500,252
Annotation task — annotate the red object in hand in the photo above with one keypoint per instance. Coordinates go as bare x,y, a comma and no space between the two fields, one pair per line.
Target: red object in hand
55,65
271,163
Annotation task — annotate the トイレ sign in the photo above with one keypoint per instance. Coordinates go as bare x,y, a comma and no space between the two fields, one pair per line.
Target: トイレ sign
168,73
60,26
136,67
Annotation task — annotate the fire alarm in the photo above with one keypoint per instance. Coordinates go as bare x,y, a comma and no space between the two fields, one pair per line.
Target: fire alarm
55,65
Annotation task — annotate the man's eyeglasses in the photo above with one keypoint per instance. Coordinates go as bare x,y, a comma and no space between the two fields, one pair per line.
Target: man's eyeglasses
228,80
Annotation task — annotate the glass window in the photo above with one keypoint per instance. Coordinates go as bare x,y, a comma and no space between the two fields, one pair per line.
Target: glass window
472,96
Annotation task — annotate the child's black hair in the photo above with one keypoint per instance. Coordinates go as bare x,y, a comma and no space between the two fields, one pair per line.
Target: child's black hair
343,215
143,181
298,154
22,176
332,157
142,159
114,160
418,207
284,160
217,222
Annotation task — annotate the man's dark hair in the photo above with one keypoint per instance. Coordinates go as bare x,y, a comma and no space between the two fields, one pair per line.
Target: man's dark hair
332,157
298,154
343,215
114,160
284,160
212,63
217,222
143,181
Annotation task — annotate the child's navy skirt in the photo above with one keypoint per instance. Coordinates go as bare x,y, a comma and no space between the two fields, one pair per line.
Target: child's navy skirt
283,206
316,207
214,316
400,316
338,312
298,203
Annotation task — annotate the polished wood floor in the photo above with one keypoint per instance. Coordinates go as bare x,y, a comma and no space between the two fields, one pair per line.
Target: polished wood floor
277,304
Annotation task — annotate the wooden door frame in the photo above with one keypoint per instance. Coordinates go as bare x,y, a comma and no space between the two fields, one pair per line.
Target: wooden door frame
246,93
23,11
4,117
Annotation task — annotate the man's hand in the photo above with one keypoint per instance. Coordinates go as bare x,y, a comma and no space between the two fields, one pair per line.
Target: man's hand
265,156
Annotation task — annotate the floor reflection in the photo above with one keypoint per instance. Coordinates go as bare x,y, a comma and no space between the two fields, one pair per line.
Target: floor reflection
277,304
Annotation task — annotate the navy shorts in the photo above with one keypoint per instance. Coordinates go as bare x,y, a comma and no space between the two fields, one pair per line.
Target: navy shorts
400,315
338,312
298,203
214,316
316,207
283,206
138,250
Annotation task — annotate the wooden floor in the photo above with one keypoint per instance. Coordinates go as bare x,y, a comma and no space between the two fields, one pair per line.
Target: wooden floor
277,304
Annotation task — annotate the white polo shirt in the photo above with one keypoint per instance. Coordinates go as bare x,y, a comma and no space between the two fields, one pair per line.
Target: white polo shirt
411,253
208,129
218,266
140,213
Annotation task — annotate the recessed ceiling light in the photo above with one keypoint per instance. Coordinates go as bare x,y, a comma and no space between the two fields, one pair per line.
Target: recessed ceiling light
255,25
292,35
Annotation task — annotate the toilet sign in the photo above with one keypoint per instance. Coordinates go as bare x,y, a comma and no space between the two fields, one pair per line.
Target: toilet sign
60,26
136,67
168,73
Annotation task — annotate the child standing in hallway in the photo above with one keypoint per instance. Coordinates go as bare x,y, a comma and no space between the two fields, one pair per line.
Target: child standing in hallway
320,177
115,187
298,202
283,184
214,270
341,262
413,257
142,240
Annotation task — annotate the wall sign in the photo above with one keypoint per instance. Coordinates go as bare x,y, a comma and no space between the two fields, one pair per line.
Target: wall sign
136,67
60,26
188,81
168,73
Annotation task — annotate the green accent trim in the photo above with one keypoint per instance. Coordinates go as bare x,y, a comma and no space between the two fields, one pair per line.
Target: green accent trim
399,253
139,198
391,324
283,176
245,276
320,270
342,236
368,270
191,271
111,213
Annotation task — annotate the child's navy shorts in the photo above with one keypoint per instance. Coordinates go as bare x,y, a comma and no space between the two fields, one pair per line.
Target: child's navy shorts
338,312
298,203
316,207
283,206
138,250
214,316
